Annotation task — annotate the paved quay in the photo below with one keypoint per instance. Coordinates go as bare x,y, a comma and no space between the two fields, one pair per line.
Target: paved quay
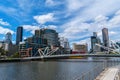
112,73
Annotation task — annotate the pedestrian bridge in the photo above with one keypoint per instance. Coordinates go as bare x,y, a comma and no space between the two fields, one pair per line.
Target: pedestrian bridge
66,56
46,53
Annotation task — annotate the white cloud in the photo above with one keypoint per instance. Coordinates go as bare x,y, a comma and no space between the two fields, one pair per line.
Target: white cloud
24,37
112,33
73,5
16,13
9,10
21,10
5,30
100,18
30,28
78,28
4,23
42,19
89,9
51,27
51,3
85,16
98,7
117,13
115,21
24,9
22,4
90,17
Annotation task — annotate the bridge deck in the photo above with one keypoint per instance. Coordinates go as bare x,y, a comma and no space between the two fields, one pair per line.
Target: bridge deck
62,56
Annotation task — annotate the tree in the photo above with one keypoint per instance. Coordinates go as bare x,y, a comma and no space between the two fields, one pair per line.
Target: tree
2,51
15,55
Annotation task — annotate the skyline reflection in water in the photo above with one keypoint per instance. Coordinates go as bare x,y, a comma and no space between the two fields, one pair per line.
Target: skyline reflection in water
66,69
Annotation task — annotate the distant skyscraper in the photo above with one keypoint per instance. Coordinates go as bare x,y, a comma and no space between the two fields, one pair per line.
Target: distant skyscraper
95,40
105,37
19,35
64,42
8,38
95,34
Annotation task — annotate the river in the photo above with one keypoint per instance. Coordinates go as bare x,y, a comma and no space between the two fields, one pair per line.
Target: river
65,69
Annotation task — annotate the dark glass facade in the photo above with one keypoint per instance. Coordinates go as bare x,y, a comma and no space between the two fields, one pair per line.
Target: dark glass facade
49,34
19,35
8,38
93,42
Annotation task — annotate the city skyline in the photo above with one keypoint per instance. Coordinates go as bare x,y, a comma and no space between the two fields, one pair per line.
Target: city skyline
73,19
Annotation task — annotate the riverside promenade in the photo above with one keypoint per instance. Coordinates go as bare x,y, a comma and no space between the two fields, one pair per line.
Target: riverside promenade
112,73
107,70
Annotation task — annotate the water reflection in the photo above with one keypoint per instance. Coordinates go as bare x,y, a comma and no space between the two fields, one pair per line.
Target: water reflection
49,70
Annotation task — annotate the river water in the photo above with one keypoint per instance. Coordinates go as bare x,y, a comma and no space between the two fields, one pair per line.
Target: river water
66,69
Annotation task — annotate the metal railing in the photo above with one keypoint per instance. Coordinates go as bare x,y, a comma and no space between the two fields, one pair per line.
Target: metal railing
93,73
117,77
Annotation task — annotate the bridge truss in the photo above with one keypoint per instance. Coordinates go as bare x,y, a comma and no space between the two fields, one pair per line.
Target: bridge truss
46,51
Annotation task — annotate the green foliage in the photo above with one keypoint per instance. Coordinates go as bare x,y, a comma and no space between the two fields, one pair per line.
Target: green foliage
2,51
15,55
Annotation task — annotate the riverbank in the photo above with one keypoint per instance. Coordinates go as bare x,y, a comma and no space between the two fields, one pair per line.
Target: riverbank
36,59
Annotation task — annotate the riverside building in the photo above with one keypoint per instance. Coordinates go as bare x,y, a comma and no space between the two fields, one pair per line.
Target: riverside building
95,40
19,35
105,37
41,39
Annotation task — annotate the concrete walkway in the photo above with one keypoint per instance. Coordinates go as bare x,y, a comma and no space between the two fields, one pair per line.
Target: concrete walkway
109,74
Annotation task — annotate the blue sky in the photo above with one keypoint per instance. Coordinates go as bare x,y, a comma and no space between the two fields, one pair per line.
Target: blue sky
73,19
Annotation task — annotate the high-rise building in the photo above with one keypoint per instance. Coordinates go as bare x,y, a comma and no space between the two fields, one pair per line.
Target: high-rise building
8,38
64,42
38,33
49,34
42,38
95,34
95,40
105,37
19,35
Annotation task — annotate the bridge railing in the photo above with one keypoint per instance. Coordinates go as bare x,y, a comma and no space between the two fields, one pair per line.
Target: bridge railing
93,73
